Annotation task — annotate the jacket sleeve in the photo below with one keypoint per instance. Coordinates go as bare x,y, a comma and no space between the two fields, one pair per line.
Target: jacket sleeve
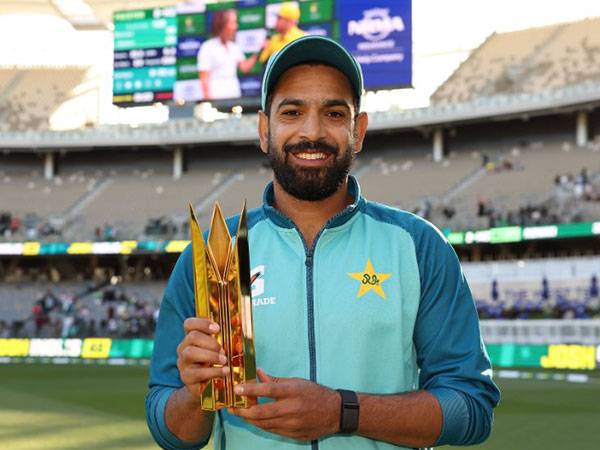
453,362
177,305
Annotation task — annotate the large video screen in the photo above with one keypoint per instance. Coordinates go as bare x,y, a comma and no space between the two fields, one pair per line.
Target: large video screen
197,51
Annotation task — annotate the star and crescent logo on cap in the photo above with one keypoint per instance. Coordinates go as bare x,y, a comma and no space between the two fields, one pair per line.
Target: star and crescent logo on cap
370,280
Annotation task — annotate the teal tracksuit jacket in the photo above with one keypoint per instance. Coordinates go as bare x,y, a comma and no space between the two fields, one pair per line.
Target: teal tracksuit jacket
378,305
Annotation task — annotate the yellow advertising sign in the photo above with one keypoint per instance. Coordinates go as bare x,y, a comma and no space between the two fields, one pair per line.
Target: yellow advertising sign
14,347
176,246
80,248
127,247
96,348
569,357
31,248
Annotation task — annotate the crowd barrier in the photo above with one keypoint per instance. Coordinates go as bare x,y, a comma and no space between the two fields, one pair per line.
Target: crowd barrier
547,331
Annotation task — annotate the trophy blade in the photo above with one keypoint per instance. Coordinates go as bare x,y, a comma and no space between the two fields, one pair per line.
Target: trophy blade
243,259
199,264
243,252
219,240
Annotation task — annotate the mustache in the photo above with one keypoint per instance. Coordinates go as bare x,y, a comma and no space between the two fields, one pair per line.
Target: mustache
320,146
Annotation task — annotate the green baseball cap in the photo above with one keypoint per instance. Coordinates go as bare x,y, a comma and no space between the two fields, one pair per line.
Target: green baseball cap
311,48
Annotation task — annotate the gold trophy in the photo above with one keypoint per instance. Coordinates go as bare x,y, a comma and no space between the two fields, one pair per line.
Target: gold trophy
222,293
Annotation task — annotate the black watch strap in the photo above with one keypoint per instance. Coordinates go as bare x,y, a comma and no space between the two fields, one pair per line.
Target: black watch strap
349,411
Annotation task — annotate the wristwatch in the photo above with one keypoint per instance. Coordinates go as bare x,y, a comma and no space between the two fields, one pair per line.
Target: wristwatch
349,411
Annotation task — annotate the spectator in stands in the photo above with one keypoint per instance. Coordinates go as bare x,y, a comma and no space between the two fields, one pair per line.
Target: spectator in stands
507,164
15,225
31,223
424,209
5,221
219,59
594,286
485,159
109,232
39,316
448,212
545,293
482,209
584,175
68,315
494,290
4,329
49,301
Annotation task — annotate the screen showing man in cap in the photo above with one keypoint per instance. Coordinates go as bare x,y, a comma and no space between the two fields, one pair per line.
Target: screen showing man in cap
370,338
286,28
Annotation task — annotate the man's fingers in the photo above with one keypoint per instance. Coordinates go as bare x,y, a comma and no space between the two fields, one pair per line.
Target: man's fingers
270,389
197,375
202,340
201,324
264,377
194,355
263,411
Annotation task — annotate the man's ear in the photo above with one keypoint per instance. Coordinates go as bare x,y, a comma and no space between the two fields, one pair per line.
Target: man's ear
361,122
263,131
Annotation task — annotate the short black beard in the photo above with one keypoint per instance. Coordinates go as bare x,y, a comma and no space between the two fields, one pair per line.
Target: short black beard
310,184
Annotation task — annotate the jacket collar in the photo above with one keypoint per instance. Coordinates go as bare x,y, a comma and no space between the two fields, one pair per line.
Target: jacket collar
340,218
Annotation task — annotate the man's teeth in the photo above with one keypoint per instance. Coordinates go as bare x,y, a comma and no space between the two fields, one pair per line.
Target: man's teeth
311,155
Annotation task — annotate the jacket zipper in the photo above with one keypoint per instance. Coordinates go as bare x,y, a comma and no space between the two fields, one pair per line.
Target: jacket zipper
310,301
310,304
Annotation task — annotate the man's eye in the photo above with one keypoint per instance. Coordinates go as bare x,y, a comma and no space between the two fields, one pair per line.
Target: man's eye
291,113
335,114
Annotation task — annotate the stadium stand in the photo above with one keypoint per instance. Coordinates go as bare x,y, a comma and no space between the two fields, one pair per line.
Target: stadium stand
526,61
78,310
136,193
392,168
129,189
505,186
250,185
30,96
552,288
533,289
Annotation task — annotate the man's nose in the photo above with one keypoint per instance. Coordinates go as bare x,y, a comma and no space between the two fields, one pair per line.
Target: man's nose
312,128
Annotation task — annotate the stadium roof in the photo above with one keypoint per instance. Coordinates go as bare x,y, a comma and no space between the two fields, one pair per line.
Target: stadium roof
81,14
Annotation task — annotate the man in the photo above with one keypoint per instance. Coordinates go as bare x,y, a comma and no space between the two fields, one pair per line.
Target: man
286,28
362,297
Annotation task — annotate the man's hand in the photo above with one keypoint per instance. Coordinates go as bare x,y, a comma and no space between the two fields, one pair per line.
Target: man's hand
197,353
301,409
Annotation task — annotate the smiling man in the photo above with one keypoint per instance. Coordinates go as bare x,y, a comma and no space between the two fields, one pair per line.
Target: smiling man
370,338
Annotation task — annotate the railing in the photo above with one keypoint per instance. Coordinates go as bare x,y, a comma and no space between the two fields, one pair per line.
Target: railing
541,332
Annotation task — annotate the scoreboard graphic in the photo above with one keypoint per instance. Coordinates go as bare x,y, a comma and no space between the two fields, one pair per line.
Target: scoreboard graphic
144,56
156,50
